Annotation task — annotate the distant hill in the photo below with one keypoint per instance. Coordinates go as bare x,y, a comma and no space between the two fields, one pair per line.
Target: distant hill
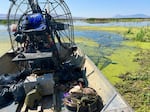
132,16
4,16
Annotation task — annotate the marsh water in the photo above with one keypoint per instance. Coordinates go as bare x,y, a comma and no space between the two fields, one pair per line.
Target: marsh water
90,34
127,24
3,33
107,41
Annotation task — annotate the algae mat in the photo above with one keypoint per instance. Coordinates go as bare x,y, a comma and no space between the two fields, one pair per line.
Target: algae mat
123,59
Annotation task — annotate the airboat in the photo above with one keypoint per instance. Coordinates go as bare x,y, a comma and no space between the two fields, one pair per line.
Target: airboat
44,63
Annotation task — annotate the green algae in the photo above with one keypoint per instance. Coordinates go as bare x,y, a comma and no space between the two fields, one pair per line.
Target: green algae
121,61
86,41
124,63
89,47
140,45
135,86
133,33
129,62
118,29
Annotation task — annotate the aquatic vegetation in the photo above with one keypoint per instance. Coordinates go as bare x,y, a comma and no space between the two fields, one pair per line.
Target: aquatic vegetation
86,41
132,69
132,33
137,44
124,63
129,31
103,20
116,29
128,66
136,86
3,21
140,35
89,47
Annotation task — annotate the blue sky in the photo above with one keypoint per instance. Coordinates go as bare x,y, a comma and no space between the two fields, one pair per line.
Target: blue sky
99,8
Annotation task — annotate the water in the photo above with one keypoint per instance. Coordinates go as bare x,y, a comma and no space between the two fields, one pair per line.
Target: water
108,41
127,24
3,27
3,33
105,39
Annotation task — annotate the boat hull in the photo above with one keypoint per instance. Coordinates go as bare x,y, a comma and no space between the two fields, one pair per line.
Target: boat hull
111,98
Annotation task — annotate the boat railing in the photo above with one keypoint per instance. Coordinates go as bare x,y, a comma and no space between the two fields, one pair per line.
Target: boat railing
111,98
126,109
109,102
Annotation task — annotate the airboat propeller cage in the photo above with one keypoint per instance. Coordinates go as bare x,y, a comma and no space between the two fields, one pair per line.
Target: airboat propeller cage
59,18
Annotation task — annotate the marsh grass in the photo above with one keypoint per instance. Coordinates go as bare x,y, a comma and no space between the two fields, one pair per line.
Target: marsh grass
116,29
106,20
135,86
86,41
141,34
3,21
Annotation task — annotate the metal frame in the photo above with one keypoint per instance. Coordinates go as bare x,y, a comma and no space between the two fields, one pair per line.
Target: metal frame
20,7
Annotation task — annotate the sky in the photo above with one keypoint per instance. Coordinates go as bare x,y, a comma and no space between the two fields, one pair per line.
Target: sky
99,8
